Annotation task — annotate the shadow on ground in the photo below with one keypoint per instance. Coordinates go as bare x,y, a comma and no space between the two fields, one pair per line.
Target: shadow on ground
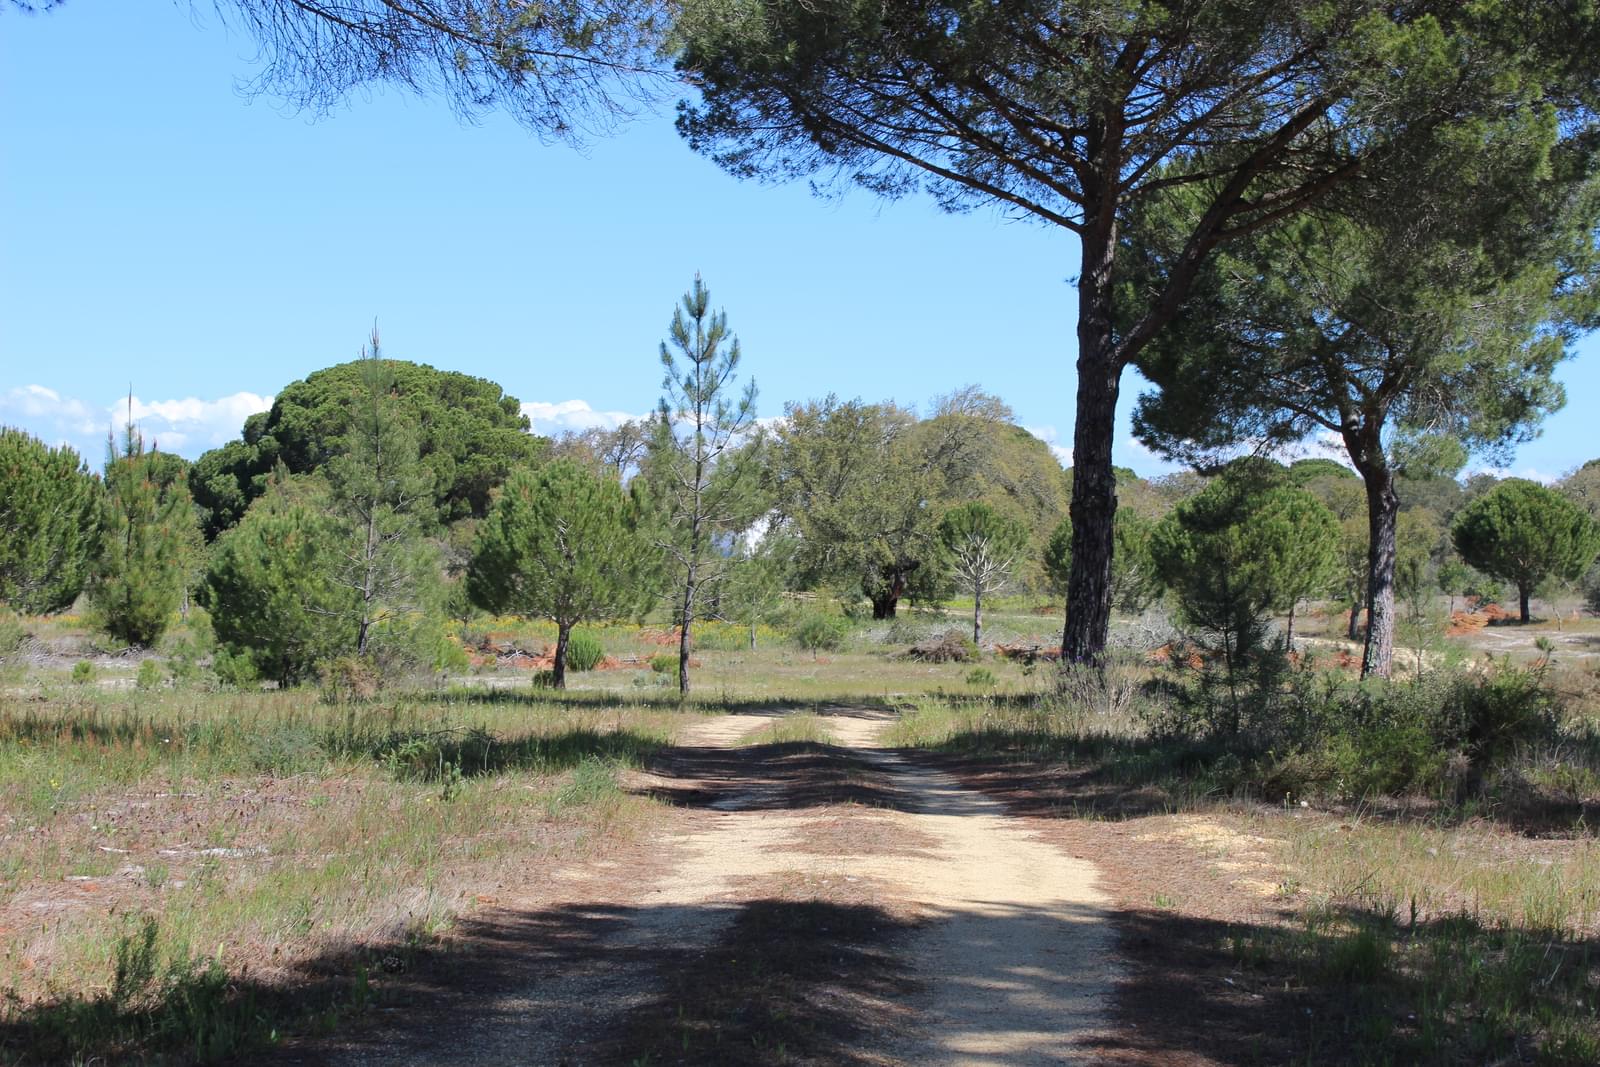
766,981
1116,778
813,982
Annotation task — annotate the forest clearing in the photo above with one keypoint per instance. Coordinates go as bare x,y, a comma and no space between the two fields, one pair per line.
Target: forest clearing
1148,614
846,857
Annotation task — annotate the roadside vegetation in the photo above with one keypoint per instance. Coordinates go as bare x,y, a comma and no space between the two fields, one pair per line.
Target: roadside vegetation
282,716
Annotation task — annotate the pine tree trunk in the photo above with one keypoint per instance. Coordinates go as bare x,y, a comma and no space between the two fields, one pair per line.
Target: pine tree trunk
1353,630
884,606
1383,514
1523,595
1288,639
685,618
1094,483
559,668
977,615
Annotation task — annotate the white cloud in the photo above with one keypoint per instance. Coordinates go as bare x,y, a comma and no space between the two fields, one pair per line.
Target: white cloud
188,425
205,423
37,404
1048,435
549,419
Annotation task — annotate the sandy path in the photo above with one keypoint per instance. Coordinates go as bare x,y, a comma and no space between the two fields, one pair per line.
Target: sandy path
1017,952
1012,950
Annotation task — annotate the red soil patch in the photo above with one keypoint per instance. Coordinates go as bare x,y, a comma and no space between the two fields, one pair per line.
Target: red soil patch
1165,654
1468,622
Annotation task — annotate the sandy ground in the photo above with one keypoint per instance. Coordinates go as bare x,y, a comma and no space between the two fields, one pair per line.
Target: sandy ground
1010,950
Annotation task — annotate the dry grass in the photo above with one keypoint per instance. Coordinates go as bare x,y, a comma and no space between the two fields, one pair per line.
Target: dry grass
256,832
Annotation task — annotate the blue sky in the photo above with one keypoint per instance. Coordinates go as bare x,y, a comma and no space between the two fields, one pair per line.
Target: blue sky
160,228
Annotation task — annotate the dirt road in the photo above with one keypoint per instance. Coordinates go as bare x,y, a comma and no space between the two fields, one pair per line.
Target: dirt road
836,904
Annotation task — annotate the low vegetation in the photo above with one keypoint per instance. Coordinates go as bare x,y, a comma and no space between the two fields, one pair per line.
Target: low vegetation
192,872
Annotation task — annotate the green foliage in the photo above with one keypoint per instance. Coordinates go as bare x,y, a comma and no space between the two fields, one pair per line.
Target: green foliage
1236,550
150,675
470,436
48,510
701,478
584,651
378,492
752,592
983,457
817,631
1133,576
664,662
235,670
1523,533
1306,731
83,672
983,547
148,544
270,590
1303,472
562,543
854,480
981,677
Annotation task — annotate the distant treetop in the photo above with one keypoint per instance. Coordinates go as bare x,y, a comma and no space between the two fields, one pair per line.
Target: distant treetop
470,434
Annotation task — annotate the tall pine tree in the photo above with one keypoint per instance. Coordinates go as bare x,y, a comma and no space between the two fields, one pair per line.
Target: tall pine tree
703,484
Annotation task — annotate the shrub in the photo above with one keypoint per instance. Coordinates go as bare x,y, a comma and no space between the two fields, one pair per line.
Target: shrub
234,669
816,632
150,675
1107,693
664,662
268,592
584,651
12,632
1305,731
83,672
904,632
949,647
981,676
350,679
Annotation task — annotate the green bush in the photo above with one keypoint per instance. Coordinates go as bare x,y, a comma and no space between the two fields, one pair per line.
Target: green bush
980,676
83,672
664,662
234,669
816,632
584,651
150,675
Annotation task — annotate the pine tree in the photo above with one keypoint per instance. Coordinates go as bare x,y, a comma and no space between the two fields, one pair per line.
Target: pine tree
561,543
380,492
149,538
269,584
703,484
1523,533
49,503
